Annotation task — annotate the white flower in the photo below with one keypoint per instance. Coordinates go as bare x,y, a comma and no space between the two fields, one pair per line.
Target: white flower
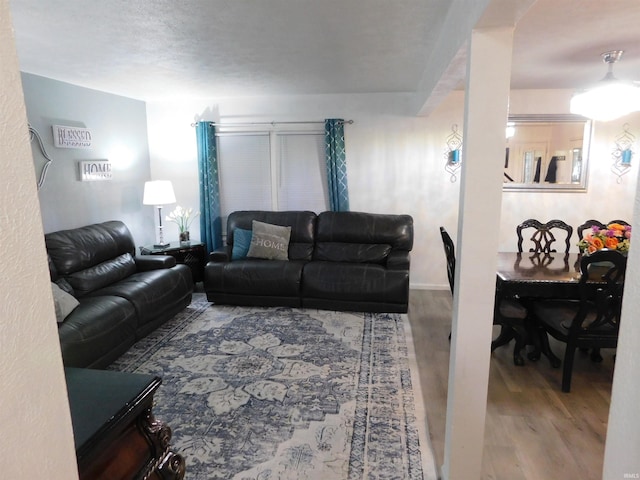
182,217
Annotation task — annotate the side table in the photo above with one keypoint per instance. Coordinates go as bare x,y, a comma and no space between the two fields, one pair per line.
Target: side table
191,254
115,433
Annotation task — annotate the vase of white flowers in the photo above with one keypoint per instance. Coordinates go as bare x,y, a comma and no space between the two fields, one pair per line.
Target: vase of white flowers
183,218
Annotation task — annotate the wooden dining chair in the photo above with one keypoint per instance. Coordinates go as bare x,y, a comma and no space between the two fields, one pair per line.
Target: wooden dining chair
543,235
449,253
588,225
508,313
593,320
595,223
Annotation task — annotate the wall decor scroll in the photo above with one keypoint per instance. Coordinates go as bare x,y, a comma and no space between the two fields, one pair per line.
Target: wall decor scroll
453,153
623,153
34,135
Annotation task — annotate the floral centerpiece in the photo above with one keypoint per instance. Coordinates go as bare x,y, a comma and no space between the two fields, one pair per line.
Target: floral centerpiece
183,218
613,237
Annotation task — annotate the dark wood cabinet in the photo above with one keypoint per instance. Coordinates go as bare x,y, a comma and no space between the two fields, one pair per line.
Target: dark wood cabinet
192,254
116,435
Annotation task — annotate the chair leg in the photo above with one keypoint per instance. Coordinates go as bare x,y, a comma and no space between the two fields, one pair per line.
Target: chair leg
595,355
505,336
567,368
518,360
545,348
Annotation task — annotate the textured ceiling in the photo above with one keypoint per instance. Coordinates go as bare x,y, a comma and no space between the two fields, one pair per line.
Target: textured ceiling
217,48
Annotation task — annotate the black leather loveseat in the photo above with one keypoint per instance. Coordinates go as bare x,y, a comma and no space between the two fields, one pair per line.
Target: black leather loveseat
335,261
120,297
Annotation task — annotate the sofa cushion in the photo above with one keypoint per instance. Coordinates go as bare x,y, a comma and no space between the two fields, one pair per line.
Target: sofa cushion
152,293
302,225
365,228
97,332
357,282
64,303
105,273
241,243
352,252
269,241
80,248
252,276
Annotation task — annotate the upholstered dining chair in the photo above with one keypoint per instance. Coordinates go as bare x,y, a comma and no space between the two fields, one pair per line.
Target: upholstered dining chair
543,235
508,313
593,320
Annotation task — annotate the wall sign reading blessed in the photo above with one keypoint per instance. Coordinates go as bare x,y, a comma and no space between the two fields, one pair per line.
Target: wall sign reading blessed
71,137
95,170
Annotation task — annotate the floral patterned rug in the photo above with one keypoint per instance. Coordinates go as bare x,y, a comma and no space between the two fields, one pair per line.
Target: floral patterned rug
282,393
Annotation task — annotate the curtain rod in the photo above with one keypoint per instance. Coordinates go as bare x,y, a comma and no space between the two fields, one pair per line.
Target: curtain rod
273,124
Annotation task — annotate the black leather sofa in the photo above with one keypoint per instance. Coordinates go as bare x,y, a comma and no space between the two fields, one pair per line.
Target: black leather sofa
349,261
121,297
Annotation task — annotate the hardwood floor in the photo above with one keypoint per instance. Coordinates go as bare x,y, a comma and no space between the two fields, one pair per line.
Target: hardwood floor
533,430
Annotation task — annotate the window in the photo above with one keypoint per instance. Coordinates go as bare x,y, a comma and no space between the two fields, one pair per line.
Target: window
271,171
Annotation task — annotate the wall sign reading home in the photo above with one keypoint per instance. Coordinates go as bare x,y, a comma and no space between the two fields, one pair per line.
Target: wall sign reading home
71,137
95,170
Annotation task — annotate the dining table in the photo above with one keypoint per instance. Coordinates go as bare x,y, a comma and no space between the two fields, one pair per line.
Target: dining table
543,275
531,276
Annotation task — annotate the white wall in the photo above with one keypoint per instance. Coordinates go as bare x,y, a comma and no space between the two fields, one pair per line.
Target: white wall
118,127
396,162
36,435
605,199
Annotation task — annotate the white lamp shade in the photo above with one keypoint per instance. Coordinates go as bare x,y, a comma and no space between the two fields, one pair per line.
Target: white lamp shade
158,192
610,100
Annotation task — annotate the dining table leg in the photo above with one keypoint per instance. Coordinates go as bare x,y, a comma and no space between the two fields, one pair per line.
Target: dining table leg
541,346
508,333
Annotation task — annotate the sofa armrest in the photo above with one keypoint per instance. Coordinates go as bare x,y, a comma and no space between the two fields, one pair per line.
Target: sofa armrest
145,263
398,260
220,255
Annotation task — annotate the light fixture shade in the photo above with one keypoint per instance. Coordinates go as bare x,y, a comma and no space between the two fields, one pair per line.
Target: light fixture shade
158,192
607,101
610,98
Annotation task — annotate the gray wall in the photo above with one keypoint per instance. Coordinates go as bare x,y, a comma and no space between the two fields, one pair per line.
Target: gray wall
118,127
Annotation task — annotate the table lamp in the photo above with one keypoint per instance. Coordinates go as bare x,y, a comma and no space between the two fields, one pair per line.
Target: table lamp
158,193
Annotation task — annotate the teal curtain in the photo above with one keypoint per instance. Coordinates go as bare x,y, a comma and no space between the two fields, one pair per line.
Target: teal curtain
336,164
210,221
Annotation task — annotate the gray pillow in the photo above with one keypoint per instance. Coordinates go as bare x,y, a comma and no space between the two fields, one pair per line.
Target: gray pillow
64,302
269,241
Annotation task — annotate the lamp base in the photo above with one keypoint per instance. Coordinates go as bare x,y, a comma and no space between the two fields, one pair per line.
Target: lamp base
161,245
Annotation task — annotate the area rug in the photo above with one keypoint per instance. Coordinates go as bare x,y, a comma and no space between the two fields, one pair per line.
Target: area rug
283,393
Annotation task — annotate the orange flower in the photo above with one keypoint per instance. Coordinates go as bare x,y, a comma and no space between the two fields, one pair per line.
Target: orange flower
611,243
596,243
616,226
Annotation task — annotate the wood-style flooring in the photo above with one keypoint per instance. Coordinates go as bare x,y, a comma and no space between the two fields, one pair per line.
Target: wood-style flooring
533,430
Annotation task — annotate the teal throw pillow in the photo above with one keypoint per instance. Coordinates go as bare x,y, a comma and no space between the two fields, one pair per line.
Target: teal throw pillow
269,241
241,243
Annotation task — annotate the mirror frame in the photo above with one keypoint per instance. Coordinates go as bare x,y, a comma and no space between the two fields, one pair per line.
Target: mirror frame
586,146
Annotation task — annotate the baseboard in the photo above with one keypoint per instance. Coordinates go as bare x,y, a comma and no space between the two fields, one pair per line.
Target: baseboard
428,286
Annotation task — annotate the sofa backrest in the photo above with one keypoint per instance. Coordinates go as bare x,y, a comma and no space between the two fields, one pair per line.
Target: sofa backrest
93,256
361,237
302,225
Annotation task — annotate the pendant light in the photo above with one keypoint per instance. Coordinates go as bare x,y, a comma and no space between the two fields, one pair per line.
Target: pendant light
610,98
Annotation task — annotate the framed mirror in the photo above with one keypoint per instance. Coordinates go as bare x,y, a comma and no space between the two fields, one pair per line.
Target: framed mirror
547,153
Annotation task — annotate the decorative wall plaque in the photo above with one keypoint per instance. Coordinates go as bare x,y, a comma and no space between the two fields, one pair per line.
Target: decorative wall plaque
71,137
95,170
